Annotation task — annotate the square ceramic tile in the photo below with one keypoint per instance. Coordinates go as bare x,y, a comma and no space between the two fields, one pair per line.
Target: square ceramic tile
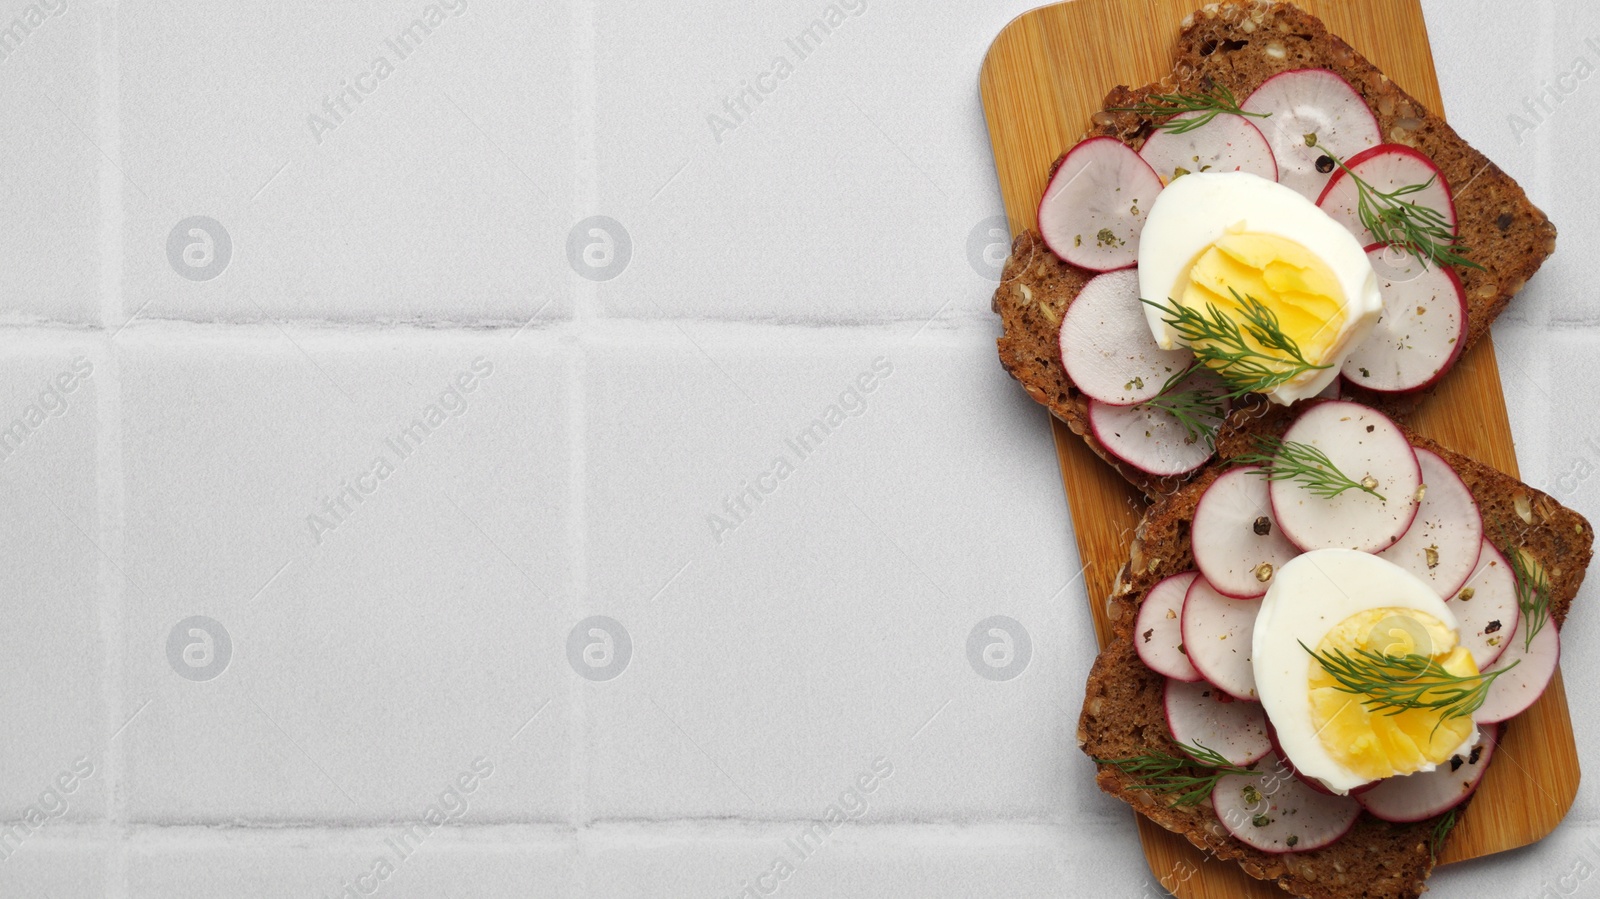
416,864
409,160
57,866
60,153
849,860
1493,106
1526,113
353,566
761,172
58,576
793,619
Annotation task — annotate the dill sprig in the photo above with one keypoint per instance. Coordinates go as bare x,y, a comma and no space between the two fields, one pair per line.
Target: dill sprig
1252,357
1441,829
1533,594
1284,460
1198,409
1400,683
1167,773
1209,102
1420,230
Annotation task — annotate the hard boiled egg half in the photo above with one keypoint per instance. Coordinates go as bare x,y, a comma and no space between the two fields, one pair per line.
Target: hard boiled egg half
1214,238
1342,601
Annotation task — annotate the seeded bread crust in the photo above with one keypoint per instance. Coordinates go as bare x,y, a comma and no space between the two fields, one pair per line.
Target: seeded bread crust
1123,716
1239,45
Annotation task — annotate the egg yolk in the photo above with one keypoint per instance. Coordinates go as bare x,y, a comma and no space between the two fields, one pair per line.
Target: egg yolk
1376,743
1285,277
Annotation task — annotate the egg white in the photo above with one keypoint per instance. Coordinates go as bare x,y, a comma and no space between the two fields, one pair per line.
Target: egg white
1195,210
1310,595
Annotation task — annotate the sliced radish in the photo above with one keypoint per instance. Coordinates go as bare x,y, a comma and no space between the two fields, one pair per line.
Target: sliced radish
1386,168
1521,686
1158,632
1363,444
1421,331
1236,541
1151,439
1094,207
1485,607
1442,545
1216,634
1333,391
1201,715
1276,812
1227,143
1313,102
1417,797
1106,344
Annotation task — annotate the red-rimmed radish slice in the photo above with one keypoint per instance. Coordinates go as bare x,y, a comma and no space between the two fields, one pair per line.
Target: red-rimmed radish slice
1152,439
1106,345
1201,715
1094,207
1158,631
1362,443
1227,143
1237,543
1442,545
1421,331
1216,634
1386,168
1333,391
1520,687
1417,797
1487,615
1276,812
1316,102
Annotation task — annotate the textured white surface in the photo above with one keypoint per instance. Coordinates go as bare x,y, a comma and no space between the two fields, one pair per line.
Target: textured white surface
801,656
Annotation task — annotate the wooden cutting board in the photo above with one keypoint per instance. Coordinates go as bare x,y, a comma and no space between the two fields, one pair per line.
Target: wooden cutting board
1042,78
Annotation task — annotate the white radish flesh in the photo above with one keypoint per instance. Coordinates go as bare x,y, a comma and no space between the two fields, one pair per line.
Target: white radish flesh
1315,102
1366,447
1520,687
1227,143
1276,812
1095,205
1202,716
1217,632
1237,543
1485,607
1442,545
1421,331
1417,797
1106,344
1158,632
1151,439
1386,168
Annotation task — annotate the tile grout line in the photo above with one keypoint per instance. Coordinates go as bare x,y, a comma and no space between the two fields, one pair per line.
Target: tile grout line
111,486
584,198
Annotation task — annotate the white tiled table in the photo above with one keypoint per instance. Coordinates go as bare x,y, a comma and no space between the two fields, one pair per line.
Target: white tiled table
752,418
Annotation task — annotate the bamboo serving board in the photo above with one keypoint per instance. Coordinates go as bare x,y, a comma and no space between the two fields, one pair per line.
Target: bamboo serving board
1043,76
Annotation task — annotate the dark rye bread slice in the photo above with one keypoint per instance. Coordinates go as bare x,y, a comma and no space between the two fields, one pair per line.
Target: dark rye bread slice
1239,45
1122,711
